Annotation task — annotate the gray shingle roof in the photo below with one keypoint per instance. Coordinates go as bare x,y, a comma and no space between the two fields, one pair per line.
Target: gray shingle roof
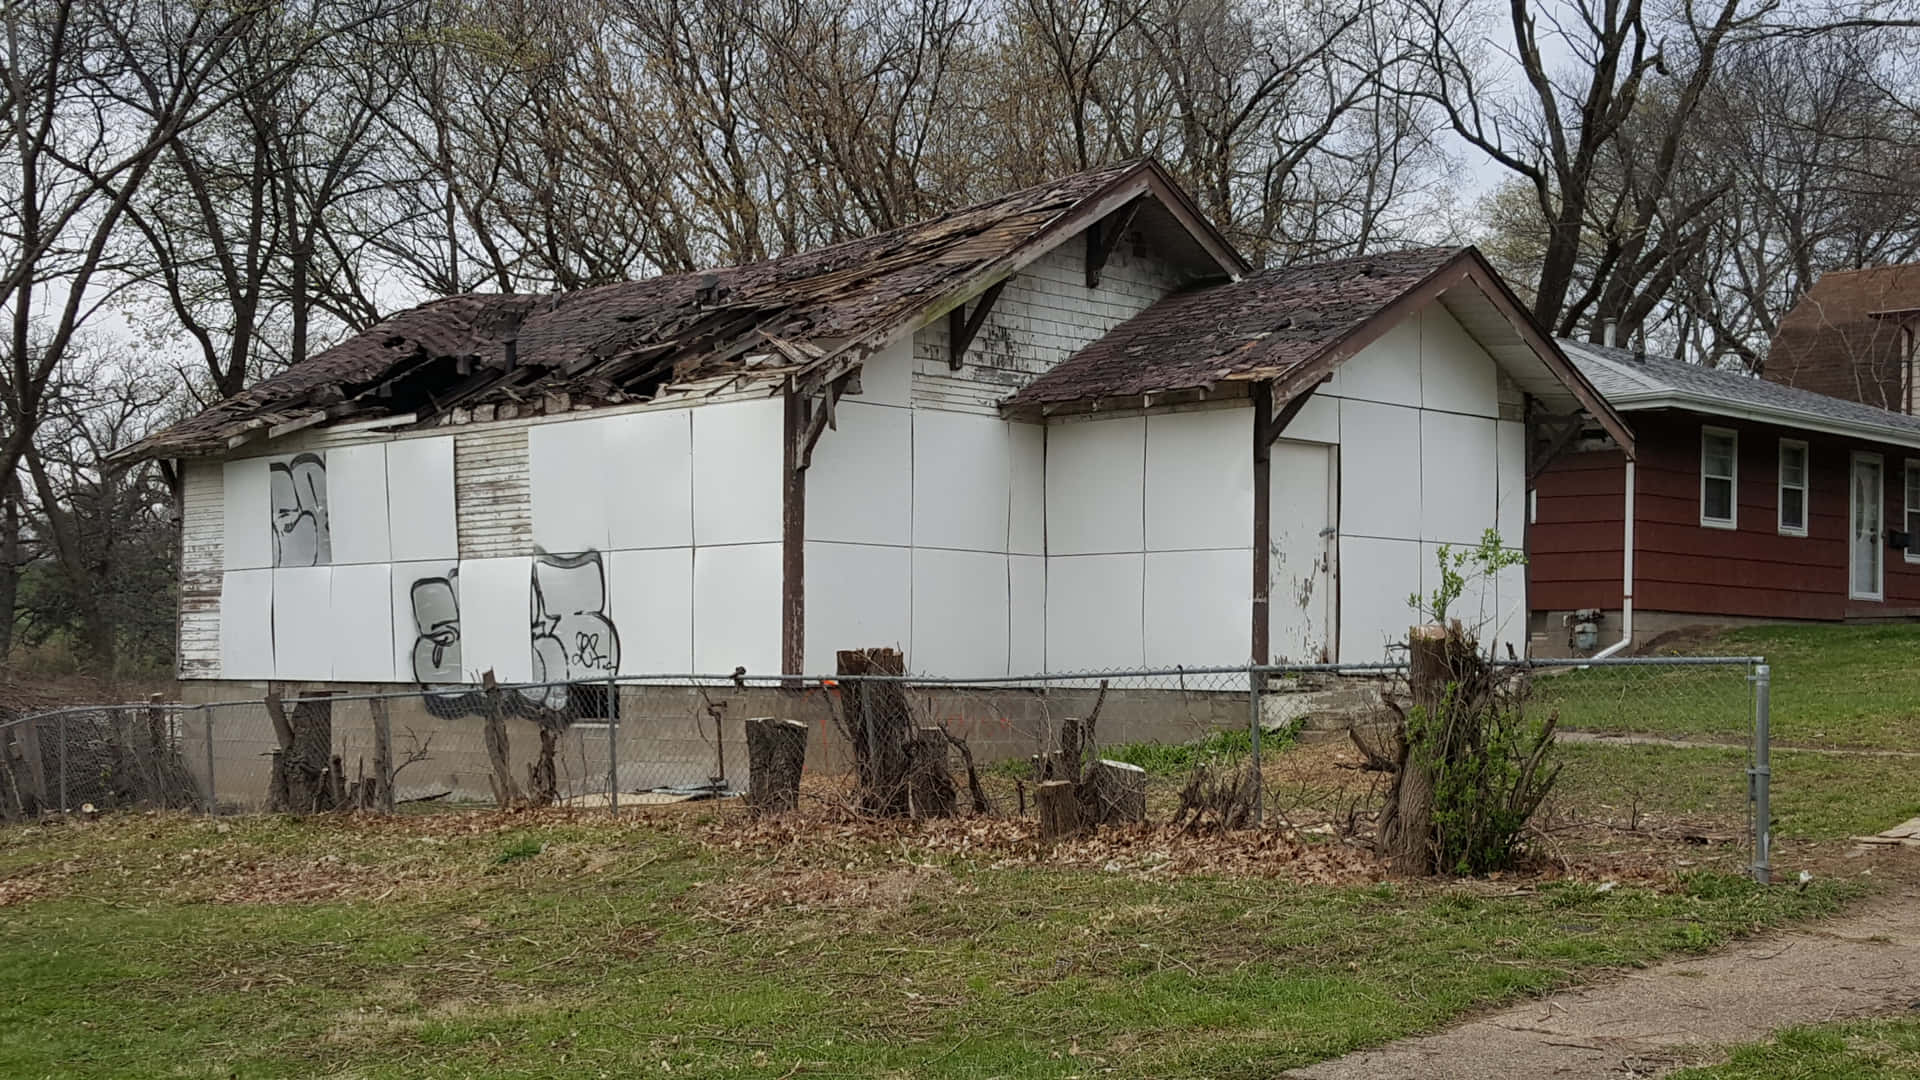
1631,381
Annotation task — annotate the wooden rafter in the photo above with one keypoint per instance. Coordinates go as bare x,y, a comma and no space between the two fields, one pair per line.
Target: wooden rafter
962,325
1557,433
1103,236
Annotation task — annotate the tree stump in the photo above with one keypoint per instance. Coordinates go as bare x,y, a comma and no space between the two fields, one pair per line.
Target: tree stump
1114,792
1058,804
506,793
879,726
305,776
543,778
930,788
776,754
1405,836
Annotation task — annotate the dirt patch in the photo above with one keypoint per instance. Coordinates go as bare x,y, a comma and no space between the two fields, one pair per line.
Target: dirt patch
1651,1022
868,892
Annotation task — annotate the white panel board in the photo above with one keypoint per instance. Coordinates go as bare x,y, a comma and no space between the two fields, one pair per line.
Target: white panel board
1456,374
362,613
1510,627
962,468
1199,480
1026,615
960,606
1094,612
736,609
357,504
1510,443
303,629
1095,486
246,623
858,597
886,378
420,499
1198,608
736,473
1376,578
652,604
1301,555
649,482
567,477
496,629
1027,512
426,622
248,510
1386,371
1457,477
860,485
1379,470
1317,421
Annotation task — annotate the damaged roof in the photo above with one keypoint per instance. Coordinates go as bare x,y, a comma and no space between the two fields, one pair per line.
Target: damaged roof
1253,328
818,311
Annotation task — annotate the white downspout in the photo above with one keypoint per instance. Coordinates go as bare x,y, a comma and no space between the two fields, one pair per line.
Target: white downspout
1626,577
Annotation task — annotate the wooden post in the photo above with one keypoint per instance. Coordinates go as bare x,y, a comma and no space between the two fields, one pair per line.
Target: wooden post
27,734
1058,805
793,535
776,755
506,793
382,753
1262,521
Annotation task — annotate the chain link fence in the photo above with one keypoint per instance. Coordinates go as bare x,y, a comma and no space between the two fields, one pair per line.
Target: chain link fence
1624,724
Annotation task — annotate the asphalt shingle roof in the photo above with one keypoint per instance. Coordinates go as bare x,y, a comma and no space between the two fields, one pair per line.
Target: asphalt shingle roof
1627,378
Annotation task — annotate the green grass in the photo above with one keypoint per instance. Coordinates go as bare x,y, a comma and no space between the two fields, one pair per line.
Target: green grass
1178,759
1883,1049
159,947
1834,686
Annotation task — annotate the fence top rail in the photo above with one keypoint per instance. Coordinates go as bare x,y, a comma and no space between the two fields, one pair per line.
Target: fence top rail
742,680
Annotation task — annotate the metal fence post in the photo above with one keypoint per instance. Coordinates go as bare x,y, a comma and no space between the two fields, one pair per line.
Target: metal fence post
1253,734
206,722
1762,772
613,744
61,734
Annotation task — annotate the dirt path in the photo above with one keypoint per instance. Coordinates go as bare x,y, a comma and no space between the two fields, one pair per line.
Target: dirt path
1604,738
1639,1023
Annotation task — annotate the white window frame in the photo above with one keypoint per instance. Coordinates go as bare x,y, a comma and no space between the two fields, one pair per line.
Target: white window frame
1879,592
1732,521
1781,487
1911,508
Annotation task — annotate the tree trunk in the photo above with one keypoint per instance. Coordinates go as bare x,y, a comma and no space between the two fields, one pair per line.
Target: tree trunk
1406,821
543,779
776,754
930,790
304,779
506,793
1058,805
880,728
382,754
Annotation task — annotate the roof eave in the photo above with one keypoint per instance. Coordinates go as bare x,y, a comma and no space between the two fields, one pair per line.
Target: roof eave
1794,418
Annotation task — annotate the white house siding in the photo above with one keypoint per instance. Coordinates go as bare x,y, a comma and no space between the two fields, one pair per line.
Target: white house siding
1424,401
1043,315
202,523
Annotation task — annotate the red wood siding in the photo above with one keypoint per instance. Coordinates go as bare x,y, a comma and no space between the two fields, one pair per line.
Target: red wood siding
1681,565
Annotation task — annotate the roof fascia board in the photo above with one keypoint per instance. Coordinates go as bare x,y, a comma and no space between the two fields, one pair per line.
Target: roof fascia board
1793,418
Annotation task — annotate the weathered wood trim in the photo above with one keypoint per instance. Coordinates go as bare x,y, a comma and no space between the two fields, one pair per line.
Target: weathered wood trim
793,534
1104,236
963,325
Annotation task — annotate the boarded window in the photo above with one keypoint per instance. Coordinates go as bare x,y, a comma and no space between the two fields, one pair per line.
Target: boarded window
1719,464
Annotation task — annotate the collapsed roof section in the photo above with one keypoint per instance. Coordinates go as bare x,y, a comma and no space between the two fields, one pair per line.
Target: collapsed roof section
814,316
1291,327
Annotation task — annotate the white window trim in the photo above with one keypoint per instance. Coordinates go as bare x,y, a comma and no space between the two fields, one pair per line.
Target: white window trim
1733,503
1906,501
1805,488
1879,592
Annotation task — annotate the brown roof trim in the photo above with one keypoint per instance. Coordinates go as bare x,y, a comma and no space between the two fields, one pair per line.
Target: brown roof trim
1466,266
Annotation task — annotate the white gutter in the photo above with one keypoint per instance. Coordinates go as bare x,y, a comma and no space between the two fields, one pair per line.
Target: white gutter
1626,577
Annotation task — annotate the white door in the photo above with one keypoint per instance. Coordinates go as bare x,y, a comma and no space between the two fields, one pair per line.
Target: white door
1300,566
1865,546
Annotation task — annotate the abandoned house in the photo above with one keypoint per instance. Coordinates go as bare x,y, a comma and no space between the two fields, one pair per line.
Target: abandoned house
1066,429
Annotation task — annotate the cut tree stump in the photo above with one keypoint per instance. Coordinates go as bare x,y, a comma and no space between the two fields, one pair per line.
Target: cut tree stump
930,789
305,776
1114,792
879,725
776,754
1405,835
1058,804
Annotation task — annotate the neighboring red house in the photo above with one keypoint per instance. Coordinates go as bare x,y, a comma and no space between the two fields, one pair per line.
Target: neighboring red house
1854,335
1752,501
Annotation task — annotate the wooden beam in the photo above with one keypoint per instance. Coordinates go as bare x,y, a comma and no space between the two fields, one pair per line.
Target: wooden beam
1560,431
793,536
1103,236
821,417
962,326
